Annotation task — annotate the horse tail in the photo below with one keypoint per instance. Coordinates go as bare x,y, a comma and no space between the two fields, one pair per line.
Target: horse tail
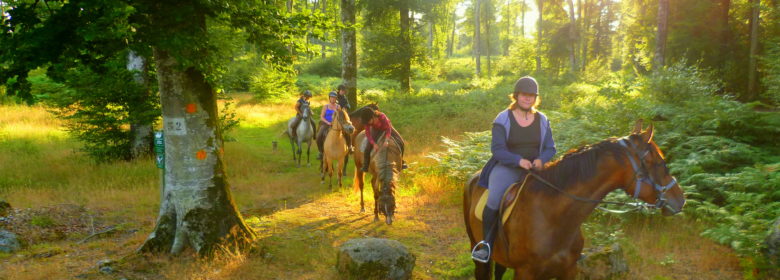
355,182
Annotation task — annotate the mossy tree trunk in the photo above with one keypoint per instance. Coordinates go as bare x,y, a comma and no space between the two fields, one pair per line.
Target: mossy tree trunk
349,51
197,209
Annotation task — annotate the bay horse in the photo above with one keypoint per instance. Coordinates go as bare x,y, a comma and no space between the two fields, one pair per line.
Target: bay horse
335,147
385,166
542,238
304,133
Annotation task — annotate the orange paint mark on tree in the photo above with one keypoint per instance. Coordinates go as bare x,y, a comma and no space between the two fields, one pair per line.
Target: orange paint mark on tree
201,155
191,108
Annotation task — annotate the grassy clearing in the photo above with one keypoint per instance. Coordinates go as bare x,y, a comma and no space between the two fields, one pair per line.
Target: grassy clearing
300,222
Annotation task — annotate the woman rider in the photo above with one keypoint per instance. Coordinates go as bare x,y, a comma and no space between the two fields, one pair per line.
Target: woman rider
521,140
326,119
305,96
375,123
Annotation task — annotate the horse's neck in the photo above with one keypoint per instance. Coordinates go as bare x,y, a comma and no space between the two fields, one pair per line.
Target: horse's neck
609,179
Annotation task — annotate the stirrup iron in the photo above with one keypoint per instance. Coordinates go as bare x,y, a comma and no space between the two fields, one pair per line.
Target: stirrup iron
482,243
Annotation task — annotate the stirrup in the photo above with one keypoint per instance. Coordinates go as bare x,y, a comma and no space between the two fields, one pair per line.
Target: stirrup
483,243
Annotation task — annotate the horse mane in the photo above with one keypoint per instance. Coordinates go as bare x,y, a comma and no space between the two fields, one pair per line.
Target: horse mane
578,165
359,111
386,168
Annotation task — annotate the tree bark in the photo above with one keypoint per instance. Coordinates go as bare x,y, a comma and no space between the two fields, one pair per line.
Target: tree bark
197,209
406,50
572,37
476,38
539,5
141,144
661,34
752,91
349,51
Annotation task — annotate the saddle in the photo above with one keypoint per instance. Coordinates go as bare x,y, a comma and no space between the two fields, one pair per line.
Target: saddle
508,200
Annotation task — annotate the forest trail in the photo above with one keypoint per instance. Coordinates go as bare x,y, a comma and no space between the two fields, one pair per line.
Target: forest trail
300,223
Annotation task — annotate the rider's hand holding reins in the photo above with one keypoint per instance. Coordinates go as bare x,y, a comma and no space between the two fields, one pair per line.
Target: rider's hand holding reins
538,164
525,164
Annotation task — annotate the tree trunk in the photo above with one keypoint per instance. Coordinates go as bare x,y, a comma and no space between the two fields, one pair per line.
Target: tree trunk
349,51
323,7
572,37
660,38
585,31
141,144
752,91
476,38
522,20
725,34
539,5
197,209
406,50
487,35
451,43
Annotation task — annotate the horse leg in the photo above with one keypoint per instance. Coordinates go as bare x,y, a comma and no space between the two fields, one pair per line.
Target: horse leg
499,271
482,270
359,181
308,150
340,171
299,151
376,198
524,272
346,161
292,146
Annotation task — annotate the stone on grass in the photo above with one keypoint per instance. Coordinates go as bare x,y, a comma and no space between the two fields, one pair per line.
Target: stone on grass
8,242
374,258
608,262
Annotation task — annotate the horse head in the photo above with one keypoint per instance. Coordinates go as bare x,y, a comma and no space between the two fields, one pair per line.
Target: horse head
305,111
387,193
343,122
652,182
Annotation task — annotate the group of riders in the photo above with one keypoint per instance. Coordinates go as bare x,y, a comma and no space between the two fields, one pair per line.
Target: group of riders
521,141
376,123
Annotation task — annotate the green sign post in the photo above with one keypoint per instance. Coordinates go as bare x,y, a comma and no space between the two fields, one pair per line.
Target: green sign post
159,149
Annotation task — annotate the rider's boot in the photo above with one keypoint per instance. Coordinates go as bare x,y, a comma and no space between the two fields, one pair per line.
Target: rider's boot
484,248
366,158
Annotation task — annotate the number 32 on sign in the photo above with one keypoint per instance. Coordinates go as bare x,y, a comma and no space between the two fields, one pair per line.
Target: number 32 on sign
175,126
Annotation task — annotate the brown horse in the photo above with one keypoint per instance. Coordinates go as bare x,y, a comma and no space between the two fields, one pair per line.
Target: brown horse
359,127
542,238
335,147
384,168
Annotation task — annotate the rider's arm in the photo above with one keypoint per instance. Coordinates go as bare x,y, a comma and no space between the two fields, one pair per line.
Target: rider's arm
389,129
298,108
499,148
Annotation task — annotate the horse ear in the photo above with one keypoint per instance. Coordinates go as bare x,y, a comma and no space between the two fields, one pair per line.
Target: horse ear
637,127
647,135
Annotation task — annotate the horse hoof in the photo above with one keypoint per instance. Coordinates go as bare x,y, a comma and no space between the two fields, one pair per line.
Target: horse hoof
376,219
362,210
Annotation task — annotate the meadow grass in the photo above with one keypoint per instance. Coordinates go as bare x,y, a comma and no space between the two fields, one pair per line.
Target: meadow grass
299,221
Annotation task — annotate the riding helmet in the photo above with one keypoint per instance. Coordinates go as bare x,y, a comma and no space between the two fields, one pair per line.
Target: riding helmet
333,94
527,84
307,93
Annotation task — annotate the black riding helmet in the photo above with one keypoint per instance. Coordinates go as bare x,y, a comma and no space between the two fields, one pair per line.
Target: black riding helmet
307,93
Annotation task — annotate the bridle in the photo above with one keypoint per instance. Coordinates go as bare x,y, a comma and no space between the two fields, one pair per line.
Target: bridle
640,170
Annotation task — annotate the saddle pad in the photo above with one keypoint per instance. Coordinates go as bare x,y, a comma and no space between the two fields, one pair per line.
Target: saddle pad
508,200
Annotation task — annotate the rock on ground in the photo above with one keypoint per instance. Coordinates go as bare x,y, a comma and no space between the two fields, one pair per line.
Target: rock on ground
608,262
8,242
374,258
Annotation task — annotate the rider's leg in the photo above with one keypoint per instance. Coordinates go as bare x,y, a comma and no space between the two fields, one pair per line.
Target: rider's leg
501,177
367,157
295,123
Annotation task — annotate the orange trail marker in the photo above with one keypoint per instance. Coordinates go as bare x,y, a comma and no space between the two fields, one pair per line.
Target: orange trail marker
191,108
201,155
